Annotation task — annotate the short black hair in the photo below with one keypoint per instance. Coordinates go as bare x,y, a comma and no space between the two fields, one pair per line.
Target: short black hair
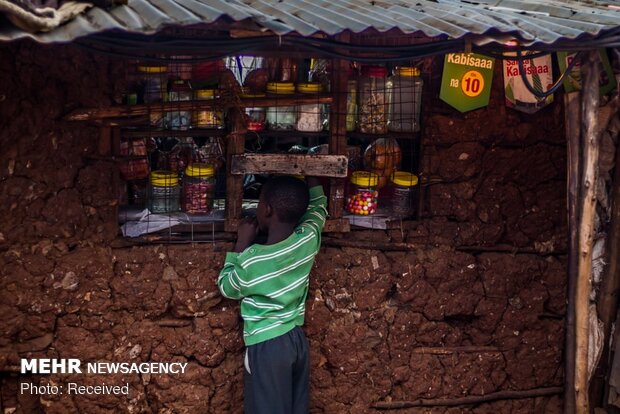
288,196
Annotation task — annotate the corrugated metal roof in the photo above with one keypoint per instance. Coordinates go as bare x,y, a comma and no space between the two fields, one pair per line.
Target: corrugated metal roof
534,21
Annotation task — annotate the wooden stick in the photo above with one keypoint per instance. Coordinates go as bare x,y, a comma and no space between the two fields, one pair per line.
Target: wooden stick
448,350
395,246
471,399
590,96
610,287
572,123
368,244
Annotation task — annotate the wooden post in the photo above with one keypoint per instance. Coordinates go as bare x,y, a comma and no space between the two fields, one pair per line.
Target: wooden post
105,141
235,144
572,122
338,128
590,97
610,287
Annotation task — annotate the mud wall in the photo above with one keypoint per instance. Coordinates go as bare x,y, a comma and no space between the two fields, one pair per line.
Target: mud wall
486,283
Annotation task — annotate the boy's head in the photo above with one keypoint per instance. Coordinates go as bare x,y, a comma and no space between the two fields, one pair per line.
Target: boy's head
283,200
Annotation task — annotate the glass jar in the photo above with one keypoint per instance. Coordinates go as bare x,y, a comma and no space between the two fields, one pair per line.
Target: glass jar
281,117
363,195
164,192
207,118
351,105
311,117
180,90
373,100
255,117
405,97
402,184
198,188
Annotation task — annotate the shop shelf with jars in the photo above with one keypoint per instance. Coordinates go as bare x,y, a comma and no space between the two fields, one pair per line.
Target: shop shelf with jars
278,114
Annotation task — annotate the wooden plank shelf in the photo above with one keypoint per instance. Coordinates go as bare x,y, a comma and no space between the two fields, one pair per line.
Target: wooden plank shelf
169,133
287,134
397,135
293,164
121,111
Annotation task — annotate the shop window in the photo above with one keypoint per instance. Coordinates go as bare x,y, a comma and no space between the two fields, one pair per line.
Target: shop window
196,140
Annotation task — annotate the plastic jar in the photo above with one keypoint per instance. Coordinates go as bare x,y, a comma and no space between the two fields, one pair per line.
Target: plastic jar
255,116
362,199
152,89
180,90
403,184
154,80
405,100
281,117
351,105
198,188
373,100
164,192
207,118
311,117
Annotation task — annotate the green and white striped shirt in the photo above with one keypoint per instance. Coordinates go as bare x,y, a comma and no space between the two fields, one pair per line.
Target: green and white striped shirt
272,280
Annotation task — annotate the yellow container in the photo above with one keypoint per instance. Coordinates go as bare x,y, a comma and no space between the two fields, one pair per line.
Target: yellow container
207,118
164,178
402,194
152,69
200,170
363,195
404,179
281,88
364,179
309,87
205,93
407,71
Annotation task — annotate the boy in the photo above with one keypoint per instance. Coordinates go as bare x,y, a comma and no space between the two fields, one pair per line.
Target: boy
271,280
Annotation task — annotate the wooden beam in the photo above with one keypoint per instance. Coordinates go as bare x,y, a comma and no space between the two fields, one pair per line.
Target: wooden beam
293,164
338,127
572,124
234,183
90,114
590,97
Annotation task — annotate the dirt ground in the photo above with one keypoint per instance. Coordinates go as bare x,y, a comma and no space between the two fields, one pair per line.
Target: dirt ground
486,283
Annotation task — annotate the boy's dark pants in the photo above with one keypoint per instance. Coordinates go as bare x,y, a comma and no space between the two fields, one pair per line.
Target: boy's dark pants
278,377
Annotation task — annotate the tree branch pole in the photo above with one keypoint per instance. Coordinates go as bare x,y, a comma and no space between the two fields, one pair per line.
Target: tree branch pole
590,97
472,399
572,122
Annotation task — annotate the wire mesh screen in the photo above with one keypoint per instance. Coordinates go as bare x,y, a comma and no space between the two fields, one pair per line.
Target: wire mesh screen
174,144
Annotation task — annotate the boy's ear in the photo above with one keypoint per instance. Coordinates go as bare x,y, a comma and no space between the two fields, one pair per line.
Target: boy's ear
268,210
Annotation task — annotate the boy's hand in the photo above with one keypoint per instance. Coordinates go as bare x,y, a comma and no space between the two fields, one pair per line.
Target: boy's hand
247,232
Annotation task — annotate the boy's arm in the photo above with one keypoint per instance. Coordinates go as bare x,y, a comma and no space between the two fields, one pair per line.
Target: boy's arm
317,206
229,279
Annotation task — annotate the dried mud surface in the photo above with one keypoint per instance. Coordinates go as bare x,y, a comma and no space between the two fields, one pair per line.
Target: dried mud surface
372,316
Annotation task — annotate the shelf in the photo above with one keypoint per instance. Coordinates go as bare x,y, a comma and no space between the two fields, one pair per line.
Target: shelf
221,104
142,133
397,135
287,134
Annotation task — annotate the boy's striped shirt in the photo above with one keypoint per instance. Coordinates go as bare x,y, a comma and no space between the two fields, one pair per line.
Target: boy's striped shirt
272,280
